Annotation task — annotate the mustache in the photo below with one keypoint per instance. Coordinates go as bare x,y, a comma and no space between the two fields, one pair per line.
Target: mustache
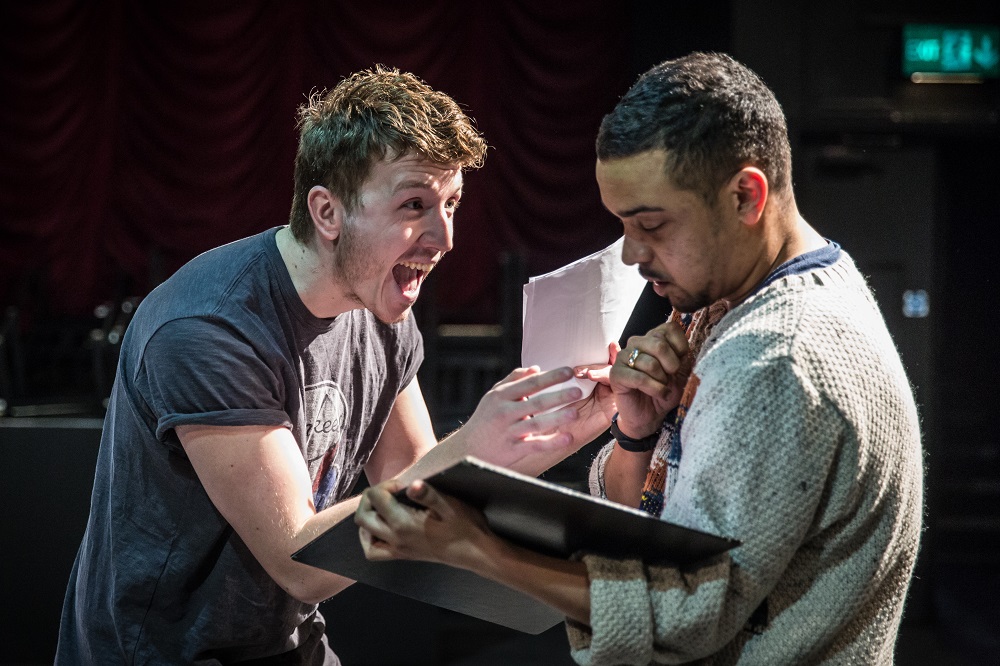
650,275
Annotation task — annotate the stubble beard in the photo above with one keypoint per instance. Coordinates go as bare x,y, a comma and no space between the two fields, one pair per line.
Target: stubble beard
692,302
352,266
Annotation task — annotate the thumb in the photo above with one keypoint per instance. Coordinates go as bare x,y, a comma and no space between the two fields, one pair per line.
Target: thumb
613,350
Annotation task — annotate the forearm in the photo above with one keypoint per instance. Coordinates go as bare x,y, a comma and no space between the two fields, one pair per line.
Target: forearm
445,454
307,583
642,613
535,463
559,583
457,446
625,474
257,479
452,533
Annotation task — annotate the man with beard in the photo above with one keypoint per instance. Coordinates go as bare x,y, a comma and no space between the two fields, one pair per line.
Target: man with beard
772,408
259,381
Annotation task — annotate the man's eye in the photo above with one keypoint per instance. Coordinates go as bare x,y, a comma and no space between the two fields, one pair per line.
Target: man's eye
416,204
453,203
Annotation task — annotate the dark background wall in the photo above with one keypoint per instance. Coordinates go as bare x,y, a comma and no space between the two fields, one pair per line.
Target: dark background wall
902,174
134,136
137,135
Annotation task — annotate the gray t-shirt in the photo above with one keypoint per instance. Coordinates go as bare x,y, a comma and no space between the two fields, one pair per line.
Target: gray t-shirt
161,577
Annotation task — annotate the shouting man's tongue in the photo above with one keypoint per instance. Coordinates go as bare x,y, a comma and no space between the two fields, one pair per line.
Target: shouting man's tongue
409,276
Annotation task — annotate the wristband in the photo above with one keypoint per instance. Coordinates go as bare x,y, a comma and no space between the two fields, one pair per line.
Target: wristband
647,443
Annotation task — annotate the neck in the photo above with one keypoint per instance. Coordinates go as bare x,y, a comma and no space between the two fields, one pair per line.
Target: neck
311,268
785,236
795,238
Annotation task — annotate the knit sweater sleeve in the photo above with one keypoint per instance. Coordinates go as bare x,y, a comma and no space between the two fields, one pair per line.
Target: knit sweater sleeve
596,476
758,443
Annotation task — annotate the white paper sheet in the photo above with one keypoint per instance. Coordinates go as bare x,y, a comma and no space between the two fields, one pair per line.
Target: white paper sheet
572,314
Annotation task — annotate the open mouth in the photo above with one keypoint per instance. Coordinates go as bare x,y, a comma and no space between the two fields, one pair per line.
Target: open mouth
657,280
659,286
409,275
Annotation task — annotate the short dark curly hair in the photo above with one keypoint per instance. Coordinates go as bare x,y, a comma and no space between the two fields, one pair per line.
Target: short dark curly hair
370,115
711,114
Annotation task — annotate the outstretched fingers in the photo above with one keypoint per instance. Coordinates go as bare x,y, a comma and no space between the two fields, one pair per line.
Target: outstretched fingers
525,398
518,373
542,424
518,386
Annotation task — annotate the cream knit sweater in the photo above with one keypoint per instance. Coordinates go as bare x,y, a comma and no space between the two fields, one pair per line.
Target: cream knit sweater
802,442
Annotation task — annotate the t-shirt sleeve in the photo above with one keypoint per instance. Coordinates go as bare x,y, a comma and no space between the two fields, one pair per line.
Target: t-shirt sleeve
202,371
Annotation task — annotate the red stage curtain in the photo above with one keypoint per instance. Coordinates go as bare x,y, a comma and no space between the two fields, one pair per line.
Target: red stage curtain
137,135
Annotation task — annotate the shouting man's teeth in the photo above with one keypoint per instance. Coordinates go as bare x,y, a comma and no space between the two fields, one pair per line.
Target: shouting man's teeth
425,268
409,275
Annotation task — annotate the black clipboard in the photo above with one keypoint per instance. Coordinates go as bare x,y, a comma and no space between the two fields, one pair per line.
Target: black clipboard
536,514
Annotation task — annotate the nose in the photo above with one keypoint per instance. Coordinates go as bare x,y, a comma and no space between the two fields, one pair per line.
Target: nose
635,252
438,233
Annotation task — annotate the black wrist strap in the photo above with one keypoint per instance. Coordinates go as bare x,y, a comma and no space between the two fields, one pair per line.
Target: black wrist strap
631,444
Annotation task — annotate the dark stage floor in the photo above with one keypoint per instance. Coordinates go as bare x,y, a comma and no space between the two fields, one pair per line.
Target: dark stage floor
426,636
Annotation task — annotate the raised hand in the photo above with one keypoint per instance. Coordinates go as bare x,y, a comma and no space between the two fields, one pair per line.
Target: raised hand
512,421
648,377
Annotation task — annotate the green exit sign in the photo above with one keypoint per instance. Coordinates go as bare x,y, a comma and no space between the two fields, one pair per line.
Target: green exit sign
951,52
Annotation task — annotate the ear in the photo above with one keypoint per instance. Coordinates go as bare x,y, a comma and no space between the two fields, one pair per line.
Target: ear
751,189
327,213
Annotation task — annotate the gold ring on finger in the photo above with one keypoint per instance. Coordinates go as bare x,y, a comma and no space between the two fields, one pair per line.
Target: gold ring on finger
631,358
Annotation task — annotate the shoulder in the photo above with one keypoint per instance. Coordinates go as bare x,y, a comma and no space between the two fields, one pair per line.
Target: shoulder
206,283
221,285
823,324
829,302
213,276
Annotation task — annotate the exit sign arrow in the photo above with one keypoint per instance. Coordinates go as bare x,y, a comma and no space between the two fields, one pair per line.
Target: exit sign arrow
985,54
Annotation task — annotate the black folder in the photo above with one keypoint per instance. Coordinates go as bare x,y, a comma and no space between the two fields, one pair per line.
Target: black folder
536,514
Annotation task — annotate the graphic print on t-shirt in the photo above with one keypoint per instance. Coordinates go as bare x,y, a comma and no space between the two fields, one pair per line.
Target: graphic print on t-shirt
326,419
